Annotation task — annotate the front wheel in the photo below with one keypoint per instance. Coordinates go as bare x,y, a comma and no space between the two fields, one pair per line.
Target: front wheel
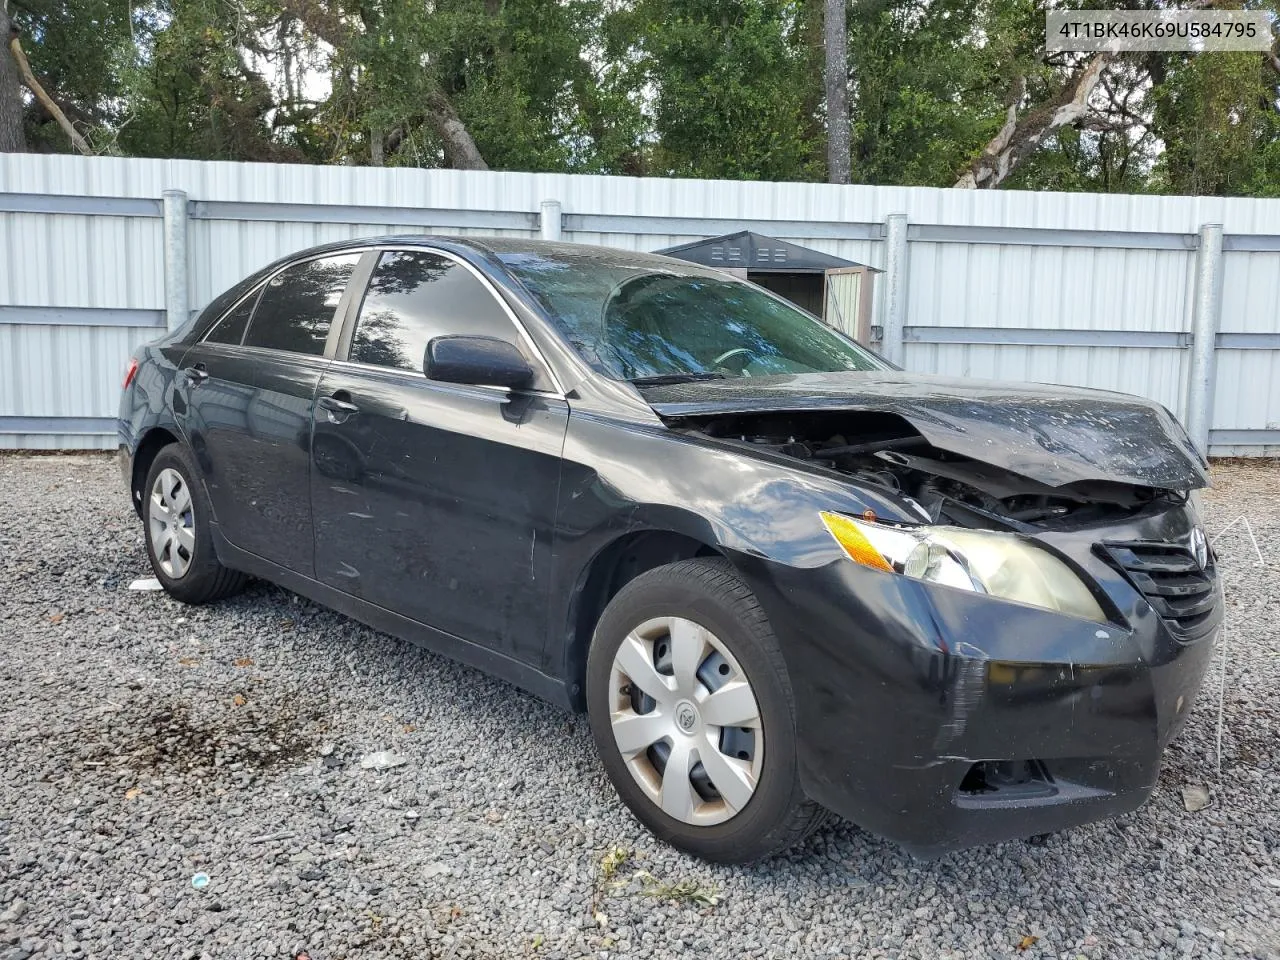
694,716
175,513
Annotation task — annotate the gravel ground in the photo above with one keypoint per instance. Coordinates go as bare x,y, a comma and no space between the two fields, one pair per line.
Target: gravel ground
143,742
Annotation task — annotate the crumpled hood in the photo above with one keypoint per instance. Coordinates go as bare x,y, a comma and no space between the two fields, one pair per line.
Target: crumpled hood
1056,435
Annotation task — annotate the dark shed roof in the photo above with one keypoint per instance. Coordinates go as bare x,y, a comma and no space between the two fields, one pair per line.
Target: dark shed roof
746,250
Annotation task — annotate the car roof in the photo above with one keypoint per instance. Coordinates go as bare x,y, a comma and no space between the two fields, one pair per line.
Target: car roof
502,247
487,252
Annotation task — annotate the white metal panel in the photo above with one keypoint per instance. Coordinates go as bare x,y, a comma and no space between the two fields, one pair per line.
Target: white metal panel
64,371
1247,390
1251,292
80,261
114,261
57,441
1005,285
452,189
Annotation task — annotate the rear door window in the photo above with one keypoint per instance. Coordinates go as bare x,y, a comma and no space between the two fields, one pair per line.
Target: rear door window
230,329
414,296
295,311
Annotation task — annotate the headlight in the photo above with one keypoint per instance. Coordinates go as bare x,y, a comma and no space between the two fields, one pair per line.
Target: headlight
999,564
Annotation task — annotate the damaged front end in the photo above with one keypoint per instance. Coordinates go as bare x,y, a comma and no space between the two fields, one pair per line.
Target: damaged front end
1041,693
938,485
980,527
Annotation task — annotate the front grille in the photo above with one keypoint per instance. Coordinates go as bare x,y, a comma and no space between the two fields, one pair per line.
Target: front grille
1175,585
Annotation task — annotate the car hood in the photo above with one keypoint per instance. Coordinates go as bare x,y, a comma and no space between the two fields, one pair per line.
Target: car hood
1056,435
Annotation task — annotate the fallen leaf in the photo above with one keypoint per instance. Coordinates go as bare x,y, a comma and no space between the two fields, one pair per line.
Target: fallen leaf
455,913
1027,942
243,662
286,624
494,816
1195,797
238,700
57,617
188,661
612,860
410,728
133,793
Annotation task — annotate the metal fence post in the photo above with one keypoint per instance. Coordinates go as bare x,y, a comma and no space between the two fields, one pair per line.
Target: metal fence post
895,288
550,220
176,302
1206,313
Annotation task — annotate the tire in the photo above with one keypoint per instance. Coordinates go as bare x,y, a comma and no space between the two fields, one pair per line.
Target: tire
757,762
179,542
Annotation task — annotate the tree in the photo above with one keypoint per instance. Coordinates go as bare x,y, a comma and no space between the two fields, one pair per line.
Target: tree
937,92
331,23
12,137
42,97
727,83
836,36
1218,120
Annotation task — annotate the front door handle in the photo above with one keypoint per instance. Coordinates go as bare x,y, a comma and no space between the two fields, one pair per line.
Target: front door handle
196,374
338,410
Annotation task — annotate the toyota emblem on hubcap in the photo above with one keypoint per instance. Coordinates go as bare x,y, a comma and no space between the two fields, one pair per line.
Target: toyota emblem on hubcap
686,717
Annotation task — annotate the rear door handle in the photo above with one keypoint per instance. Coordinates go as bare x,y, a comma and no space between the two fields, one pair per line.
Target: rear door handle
196,374
338,410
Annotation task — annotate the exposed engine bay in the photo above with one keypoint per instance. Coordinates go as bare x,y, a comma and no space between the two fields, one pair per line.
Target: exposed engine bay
886,451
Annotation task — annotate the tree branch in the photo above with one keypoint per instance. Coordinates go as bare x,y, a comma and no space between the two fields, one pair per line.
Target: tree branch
321,21
75,113
460,150
1013,144
1008,149
46,101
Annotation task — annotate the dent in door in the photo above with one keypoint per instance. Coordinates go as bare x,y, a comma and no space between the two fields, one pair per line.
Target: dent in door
438,502
273,493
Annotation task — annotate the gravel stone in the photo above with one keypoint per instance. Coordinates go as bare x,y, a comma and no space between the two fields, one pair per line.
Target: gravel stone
142,742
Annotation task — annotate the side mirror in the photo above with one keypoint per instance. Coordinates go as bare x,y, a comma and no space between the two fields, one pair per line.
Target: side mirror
483,361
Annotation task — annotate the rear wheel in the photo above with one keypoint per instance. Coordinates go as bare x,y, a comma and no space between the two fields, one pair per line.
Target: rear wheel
175,514
694,717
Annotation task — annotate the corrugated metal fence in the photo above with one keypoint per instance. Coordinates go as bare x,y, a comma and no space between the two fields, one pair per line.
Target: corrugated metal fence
1148,295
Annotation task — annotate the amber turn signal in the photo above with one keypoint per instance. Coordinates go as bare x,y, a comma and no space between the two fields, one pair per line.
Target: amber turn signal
855,543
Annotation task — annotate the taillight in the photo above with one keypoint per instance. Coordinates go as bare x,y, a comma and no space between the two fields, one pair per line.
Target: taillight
130,373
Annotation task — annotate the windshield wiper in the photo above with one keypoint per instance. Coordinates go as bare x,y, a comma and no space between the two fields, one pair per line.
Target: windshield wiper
663,379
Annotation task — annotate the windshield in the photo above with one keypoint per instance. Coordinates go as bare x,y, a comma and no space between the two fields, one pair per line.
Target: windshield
642,320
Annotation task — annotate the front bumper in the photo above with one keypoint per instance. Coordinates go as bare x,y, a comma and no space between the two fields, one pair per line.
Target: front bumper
943,719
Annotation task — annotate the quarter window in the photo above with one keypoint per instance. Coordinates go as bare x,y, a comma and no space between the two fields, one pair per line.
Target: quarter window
414,296
296,308
230,329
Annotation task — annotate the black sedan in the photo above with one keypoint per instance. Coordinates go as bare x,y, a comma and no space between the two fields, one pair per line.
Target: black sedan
781,577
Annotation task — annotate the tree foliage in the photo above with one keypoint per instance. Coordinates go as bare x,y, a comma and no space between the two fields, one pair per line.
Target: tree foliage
938,91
